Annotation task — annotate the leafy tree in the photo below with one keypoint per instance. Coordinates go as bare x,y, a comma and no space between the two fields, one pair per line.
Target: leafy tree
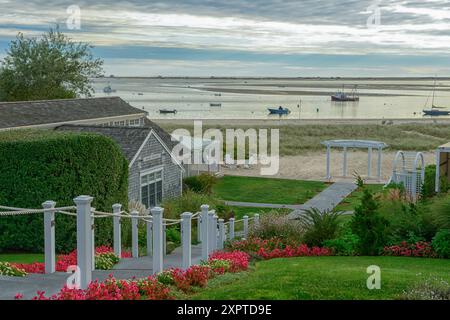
369,225
48,67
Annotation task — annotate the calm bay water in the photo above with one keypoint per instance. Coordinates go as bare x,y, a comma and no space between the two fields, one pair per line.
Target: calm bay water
249,99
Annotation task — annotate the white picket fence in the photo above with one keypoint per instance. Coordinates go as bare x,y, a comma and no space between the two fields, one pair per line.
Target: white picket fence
211,232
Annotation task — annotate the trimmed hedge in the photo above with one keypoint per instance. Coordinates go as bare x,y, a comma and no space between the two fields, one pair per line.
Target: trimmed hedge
40,165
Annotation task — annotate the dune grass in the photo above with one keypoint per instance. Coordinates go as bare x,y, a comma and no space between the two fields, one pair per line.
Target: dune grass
334,278
265,190
299,139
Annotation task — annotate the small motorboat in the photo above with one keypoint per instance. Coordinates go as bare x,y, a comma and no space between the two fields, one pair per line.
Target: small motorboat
436,112
279,110
215,104
108,89
166,111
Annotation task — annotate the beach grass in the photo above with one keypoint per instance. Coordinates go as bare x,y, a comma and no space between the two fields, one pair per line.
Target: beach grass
265,190
300,139
334,278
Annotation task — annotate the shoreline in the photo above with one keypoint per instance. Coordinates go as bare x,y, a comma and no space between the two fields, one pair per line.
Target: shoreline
300,122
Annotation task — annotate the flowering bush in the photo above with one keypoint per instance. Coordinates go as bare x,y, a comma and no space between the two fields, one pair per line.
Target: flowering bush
8,269
300,251
218,266
196,276
405,249
112,289
277,248
105,259
238,260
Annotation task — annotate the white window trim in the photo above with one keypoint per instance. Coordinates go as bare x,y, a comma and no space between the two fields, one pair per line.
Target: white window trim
150,171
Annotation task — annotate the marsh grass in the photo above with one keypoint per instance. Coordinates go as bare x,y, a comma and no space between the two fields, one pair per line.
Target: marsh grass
299,139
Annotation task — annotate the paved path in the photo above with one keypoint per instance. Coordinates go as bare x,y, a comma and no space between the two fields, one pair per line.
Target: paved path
52,283
328,199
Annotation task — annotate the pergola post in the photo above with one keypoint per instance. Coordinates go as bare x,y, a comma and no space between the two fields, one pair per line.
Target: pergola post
380,151
328,162
369,162
344,165
438,170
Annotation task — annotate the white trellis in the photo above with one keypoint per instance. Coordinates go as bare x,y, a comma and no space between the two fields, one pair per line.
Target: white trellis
212,232
359,144
409,170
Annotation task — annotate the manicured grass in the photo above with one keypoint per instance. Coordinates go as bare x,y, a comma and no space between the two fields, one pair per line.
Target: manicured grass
325,278
265,190
22,257
353,200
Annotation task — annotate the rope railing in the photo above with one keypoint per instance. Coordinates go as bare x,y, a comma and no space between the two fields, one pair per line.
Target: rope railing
21,211
211,232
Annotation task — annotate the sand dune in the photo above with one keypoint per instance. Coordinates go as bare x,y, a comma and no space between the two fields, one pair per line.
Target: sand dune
312,166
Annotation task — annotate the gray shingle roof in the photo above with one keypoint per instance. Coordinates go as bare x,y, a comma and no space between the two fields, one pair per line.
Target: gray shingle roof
129,139
29,113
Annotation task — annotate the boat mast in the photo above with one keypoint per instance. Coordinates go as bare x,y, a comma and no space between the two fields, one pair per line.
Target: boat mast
434,89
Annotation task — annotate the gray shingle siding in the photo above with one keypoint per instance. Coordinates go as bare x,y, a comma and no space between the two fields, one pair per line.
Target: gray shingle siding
172,173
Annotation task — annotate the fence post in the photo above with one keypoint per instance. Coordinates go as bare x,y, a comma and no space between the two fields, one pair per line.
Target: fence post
211,231
205,225
221,233
199,228
93,237
134,234
164,239
49,234
186,238
231,231
84,239
149,226
117,229
256,221
215,231
157,214
245,218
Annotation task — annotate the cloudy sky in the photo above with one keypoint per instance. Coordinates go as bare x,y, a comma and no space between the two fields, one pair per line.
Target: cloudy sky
248,37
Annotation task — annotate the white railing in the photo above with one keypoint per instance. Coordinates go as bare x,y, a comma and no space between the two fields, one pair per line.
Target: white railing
212,232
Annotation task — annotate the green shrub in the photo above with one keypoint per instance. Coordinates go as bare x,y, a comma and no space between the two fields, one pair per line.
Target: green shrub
191,202
441,243
40,165
165,277
345,245
429,185
369,225
405,221
7,269
106,261
319,226
202,183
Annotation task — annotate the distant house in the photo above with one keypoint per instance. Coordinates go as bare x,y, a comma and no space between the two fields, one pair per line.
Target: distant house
154,174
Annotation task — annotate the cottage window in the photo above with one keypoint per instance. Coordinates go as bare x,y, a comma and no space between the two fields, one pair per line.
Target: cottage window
151,189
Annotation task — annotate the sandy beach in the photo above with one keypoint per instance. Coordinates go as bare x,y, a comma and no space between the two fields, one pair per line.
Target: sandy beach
312,166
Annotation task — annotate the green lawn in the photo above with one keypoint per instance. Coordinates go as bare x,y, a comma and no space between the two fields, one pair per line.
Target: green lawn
325,278
349,203
22,257
250,211
265,190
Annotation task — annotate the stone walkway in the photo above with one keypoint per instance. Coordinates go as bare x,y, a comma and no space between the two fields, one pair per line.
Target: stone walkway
52,283
328,199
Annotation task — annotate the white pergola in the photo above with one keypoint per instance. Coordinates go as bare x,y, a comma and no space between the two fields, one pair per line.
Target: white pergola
442,164
359,144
